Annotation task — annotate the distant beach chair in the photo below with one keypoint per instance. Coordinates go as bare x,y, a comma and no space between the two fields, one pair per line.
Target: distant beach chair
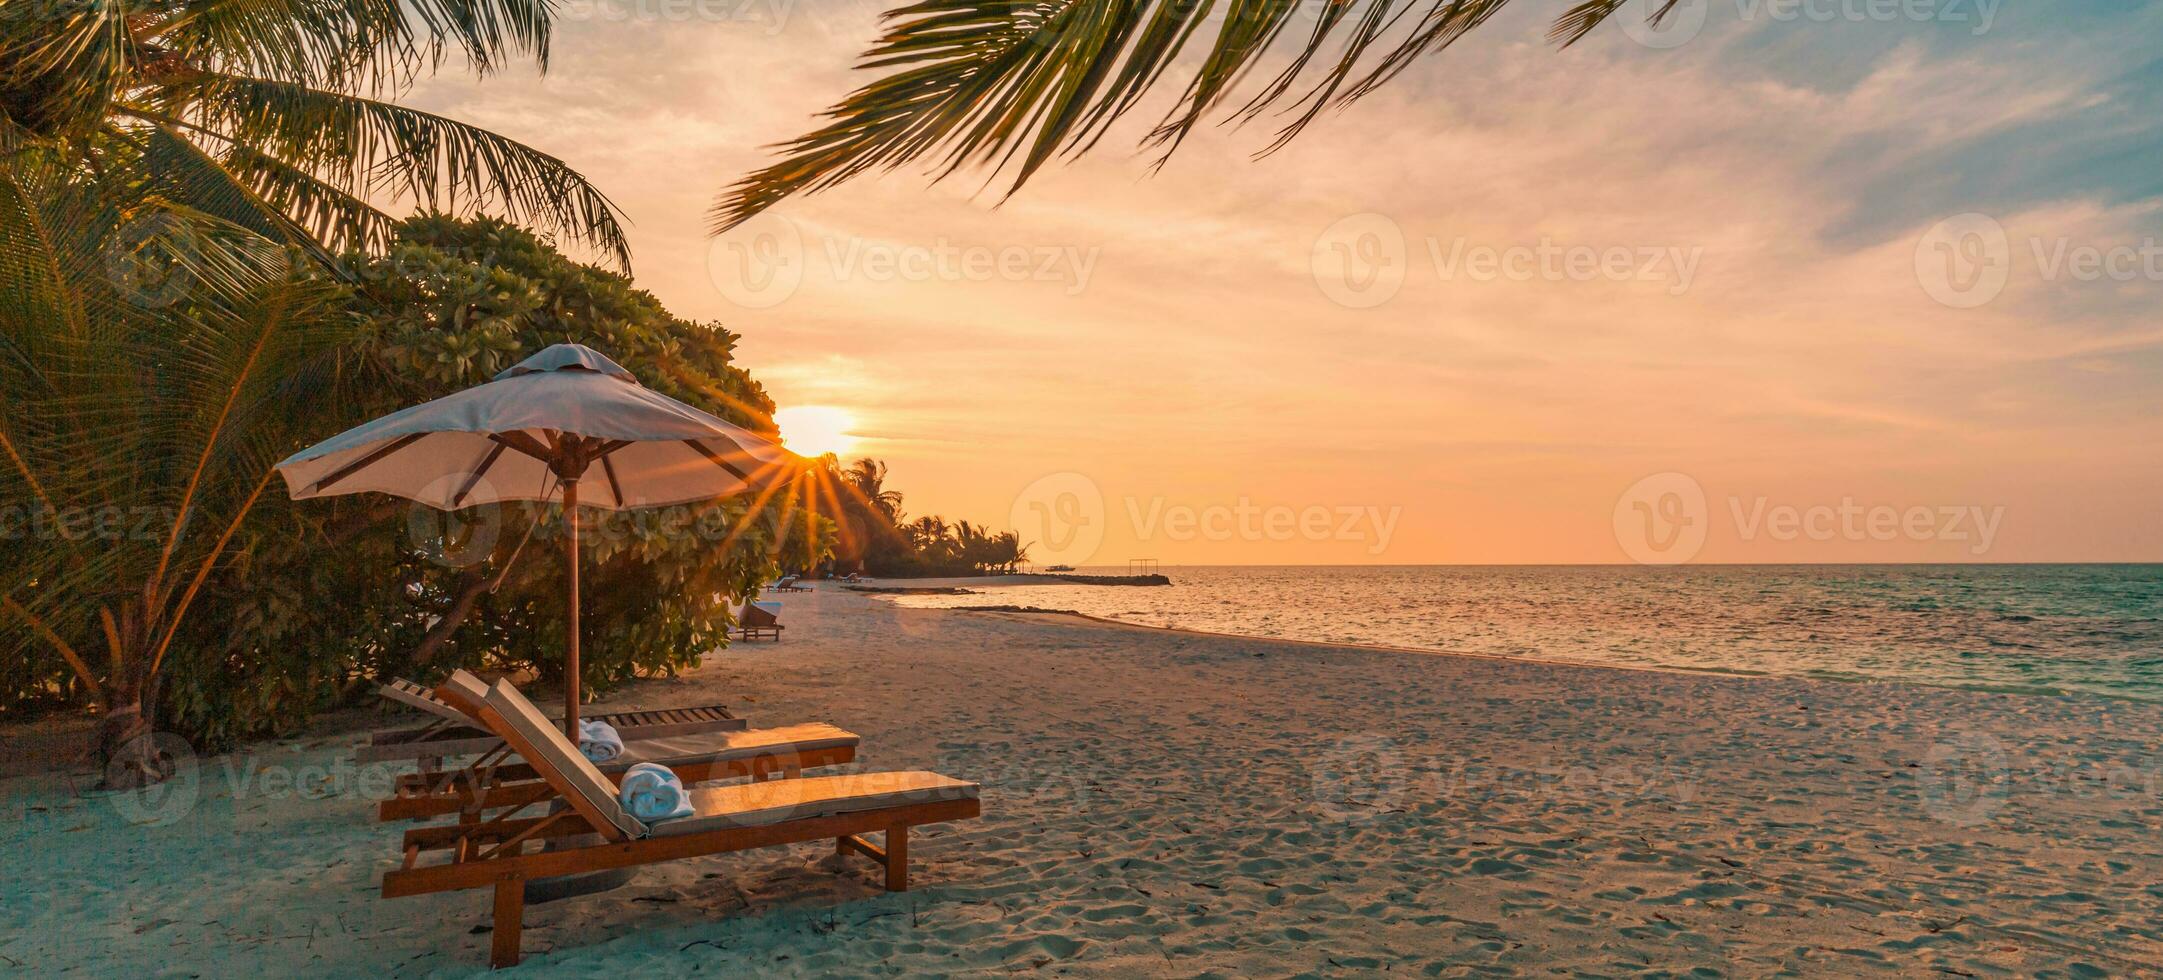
494,781
454,734
495,853
759,619
789,583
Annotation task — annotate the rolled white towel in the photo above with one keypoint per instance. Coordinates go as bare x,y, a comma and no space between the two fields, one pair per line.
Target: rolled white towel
598,741
654,793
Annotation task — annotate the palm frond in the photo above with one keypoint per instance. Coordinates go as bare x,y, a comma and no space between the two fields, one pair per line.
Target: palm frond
1020,82
370,44
61,64
367,147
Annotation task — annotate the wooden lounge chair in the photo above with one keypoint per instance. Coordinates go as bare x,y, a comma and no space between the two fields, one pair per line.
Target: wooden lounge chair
453,733
757,621
499,853
789,584
494,781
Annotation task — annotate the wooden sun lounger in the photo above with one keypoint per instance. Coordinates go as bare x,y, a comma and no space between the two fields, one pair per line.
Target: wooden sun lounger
499,853
493,781
789,584
454,734
755,622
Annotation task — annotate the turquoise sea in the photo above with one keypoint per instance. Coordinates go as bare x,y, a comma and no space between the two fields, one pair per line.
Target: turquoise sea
2020,628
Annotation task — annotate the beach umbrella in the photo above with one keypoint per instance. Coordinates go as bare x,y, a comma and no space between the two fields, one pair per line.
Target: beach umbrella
565,417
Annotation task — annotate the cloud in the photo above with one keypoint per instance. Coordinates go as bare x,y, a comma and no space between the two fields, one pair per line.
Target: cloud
1797,168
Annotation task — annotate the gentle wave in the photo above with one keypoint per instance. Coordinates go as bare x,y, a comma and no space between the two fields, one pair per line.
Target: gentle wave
2036,629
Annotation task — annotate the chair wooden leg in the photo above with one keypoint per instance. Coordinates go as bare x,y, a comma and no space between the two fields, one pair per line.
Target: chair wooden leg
897,859
510,921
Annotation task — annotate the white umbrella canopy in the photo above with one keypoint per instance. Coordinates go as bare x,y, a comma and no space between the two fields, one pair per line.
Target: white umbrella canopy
565,416
504,441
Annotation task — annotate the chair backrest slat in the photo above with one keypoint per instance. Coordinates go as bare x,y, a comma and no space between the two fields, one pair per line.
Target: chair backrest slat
557,760
414,696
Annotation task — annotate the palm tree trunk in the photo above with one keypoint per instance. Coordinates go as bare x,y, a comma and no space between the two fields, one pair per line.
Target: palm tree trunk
126,753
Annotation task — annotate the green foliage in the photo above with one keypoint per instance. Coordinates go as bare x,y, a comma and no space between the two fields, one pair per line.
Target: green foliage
146,375
337,593
261,112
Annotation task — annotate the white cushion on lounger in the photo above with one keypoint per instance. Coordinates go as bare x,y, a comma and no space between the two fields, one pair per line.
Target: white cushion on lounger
777,800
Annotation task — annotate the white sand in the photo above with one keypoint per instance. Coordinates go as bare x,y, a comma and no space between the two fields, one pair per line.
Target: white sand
1172,804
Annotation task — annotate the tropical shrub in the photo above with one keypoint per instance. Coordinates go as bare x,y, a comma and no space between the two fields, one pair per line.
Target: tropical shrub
352,589
315,600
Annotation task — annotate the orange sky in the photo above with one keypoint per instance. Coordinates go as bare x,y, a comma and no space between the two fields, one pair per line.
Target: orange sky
1458,323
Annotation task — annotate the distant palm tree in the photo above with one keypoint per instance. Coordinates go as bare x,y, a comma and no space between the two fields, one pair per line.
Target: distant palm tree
989,82
868,478
262,114
927,535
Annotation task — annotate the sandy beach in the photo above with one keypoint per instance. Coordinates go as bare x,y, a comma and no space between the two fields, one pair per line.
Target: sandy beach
1171,804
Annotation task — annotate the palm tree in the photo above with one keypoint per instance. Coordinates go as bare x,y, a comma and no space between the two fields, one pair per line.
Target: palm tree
992,82
161,164
261,113
867,477
139,436
928,535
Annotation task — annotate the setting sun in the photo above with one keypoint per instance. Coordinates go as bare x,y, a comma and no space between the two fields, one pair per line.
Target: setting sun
815,430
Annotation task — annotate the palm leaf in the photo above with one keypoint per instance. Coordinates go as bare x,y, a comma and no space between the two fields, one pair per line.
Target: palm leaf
366,147
370,44
992,82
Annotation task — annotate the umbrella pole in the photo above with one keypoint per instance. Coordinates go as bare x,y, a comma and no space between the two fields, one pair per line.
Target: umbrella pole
570,648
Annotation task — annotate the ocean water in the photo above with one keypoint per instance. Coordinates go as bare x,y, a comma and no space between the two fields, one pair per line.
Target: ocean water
2019,628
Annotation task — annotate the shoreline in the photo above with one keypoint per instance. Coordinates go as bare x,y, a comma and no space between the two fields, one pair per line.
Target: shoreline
1732,673
1054,615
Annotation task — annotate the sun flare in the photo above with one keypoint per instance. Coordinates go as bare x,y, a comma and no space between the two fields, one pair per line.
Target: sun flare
815,430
